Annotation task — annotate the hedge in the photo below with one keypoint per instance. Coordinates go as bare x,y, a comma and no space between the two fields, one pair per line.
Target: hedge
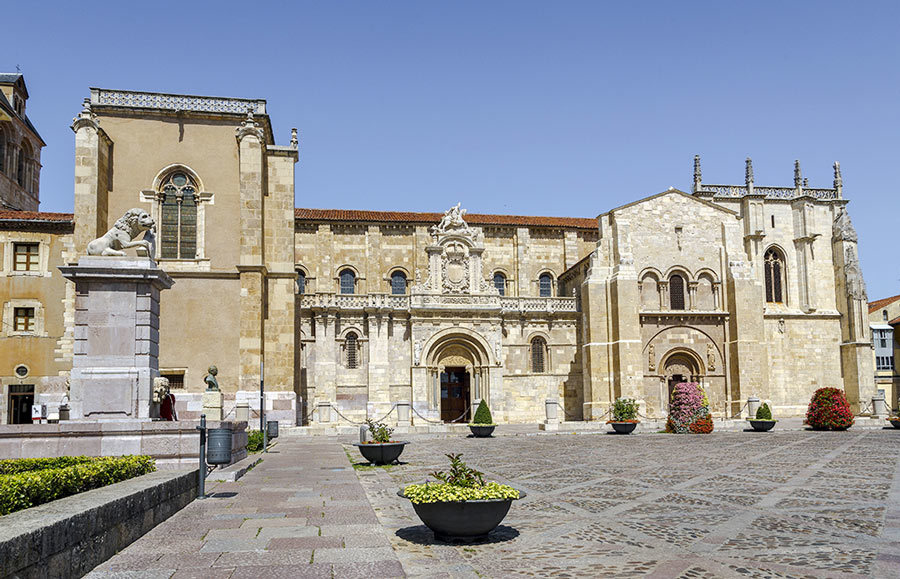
17,465
35,487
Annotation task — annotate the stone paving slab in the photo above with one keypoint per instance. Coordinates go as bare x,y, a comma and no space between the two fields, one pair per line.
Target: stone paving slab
300,513
780,504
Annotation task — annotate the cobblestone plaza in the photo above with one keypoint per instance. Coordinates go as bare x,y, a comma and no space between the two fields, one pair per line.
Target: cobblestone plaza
735,504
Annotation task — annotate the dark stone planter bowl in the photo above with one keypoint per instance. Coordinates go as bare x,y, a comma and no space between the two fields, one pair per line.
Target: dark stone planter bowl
895,422
481,430
381,452
463,520
623,427
762,425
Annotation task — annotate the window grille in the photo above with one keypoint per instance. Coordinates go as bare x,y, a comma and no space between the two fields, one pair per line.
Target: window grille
546,285
176,381
538,346
348,282
884,362
178,230
352,351
25,256
24,320
301,282
676,292
774,270
500,283
398,283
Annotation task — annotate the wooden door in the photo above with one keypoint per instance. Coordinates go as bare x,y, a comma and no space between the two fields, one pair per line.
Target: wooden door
454,395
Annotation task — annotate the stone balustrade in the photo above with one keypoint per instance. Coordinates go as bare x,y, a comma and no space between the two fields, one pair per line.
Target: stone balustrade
330,301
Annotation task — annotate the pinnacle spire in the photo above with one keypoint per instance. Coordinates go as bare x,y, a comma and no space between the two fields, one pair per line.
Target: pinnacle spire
798,176
697,174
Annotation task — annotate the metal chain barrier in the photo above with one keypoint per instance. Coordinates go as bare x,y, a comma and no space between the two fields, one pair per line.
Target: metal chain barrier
463,415
362,423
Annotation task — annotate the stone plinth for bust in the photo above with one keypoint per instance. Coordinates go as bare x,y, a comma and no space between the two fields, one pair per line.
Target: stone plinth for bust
116,336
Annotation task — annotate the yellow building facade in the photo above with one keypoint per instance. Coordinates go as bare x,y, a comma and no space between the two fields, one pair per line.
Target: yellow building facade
752,291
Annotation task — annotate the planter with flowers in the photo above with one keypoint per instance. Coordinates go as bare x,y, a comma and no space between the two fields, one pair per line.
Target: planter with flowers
625,413
381,449
461,505
689,410
482,425
894,420
829,410
763,420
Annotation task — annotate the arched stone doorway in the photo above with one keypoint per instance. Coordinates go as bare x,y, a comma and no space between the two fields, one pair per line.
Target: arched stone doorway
681,366
458,367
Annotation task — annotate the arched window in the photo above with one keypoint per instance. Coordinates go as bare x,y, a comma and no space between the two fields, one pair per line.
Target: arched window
500,283
348,281
774,266
352,346
178,230
884,315
398,283
2,151
20,165
538,355
545,283
301,282
676,292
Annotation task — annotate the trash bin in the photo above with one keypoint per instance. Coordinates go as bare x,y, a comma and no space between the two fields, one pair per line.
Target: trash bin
272,429
218,446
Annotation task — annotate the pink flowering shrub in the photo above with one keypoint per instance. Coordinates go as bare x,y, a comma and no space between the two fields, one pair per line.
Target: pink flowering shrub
829,410
689,410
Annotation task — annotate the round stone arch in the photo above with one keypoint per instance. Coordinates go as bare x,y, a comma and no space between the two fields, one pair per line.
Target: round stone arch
469,339
464,351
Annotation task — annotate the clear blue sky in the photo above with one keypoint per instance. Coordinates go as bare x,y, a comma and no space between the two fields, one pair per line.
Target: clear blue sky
547,108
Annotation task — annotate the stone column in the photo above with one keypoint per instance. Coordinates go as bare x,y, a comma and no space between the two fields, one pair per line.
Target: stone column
326,357
857,361
252,164
92,146
116,336
379,392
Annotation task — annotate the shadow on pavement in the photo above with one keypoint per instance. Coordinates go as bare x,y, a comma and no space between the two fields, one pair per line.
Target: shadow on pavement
422,535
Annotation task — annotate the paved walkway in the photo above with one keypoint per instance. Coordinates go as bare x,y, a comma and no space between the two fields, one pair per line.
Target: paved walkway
786,504
299,513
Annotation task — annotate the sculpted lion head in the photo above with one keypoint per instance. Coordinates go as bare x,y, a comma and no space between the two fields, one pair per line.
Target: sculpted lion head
135,221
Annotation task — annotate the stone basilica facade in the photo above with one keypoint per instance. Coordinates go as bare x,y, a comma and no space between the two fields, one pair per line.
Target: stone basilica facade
749,290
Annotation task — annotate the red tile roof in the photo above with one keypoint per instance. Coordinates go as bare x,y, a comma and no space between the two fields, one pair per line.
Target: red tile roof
878,304
894,321
34,215
345,215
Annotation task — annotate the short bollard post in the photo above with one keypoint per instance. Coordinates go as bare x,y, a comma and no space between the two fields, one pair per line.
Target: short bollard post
403,413
201,482
879,406
363,434
752,406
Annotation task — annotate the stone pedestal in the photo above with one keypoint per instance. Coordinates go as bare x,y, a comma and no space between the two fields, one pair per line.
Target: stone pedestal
116,353
213,401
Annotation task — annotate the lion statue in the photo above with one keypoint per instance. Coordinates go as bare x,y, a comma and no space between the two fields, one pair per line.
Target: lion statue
121,235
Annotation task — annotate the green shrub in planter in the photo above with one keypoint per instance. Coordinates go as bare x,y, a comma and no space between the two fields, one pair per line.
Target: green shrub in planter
35,487
483,415
461,483
764,412
254,441
625,410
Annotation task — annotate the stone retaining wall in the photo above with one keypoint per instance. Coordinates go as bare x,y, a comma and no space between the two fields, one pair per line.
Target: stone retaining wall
70,536
172,444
